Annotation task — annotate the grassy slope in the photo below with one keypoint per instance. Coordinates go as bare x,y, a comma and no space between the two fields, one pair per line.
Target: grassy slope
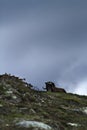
54,109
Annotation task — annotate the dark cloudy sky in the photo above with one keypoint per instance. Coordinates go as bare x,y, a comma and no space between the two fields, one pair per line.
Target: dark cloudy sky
43,40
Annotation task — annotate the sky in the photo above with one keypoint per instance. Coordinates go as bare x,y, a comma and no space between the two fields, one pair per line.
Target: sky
45,40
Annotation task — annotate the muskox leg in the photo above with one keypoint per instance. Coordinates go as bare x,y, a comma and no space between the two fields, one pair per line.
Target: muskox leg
64,91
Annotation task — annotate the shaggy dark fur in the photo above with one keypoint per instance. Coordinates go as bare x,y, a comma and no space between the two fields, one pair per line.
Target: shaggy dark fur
50,86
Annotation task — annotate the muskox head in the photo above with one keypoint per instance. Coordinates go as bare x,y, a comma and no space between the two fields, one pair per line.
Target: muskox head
49,86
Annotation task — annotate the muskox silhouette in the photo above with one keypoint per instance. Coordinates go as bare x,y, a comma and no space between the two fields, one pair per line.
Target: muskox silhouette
50,86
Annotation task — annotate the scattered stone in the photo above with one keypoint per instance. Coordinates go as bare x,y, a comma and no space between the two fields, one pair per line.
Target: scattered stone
73,124
7,125
14,97
9,92
1,105
84,110
32,111
42,101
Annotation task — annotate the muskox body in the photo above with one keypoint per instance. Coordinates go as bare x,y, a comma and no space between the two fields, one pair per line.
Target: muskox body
50,86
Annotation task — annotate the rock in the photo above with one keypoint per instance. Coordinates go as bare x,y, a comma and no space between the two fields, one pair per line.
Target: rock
9,92
1,105
32,111
84,110
33,124
74,124
14,97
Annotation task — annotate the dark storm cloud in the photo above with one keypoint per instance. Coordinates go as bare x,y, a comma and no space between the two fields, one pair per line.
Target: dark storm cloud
45,40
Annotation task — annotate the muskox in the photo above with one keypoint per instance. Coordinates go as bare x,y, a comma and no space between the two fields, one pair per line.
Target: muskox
50,86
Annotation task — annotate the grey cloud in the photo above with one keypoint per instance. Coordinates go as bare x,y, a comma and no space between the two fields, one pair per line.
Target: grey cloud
44,41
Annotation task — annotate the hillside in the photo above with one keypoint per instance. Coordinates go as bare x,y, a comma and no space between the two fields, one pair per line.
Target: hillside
23,108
